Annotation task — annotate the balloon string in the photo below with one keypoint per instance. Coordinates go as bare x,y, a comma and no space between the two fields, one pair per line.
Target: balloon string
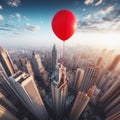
63,53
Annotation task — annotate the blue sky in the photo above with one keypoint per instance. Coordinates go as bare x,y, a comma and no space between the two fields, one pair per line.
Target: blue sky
28,22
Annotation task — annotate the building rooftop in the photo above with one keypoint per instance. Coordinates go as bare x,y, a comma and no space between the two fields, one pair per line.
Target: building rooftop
2,49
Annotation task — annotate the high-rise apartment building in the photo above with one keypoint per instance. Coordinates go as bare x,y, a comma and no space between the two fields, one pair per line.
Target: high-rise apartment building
110,91
27,91
38,68
6,62
59,90
89,78
79,105
24,64
78,78
5,114
114,63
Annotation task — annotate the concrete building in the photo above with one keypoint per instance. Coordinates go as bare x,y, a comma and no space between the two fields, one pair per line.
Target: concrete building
78,78
59,90
6,62
114,63
89,78
54,58
110,91
26,89
79,105
39,71
24,64
5,114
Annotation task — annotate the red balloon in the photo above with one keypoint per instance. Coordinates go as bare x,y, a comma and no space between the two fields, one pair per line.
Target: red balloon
64,24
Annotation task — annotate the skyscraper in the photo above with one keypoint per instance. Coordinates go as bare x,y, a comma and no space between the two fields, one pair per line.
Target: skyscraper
89,78
110,91
5,114
7,104
5,87
6,62
79,105
24,65
38,68
78,78
59,90
26,89
54,58
114,63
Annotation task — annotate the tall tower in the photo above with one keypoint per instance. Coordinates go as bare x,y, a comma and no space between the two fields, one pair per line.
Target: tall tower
78,78
114,63
5,87
59,90
38,68
89,78
54,58
25,65
5,114
6,62
27,91
79,105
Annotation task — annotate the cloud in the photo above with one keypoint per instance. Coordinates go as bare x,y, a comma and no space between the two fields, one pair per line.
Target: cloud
98,2
18,15
13,3
1,17
88,2
113,16
107,19
5,29
106,10
1,7
31,27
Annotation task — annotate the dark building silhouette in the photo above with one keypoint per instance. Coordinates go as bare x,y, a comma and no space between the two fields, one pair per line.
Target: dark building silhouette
54,58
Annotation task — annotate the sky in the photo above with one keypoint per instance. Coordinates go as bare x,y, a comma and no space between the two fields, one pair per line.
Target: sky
28,22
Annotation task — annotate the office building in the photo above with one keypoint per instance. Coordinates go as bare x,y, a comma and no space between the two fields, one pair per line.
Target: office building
110,91
26,89
59,90
5,87
6,62
115,116
114,63
39,71
5,114
89,78
54,58
24,64
78,78
8,104
79,105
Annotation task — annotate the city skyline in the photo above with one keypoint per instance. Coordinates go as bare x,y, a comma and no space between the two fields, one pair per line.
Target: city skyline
28,23
87,86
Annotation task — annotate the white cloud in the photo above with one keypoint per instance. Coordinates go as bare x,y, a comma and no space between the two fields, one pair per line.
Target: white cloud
87,2
13,3
31,27
18,15
106,10
1,7
99,2
1,17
